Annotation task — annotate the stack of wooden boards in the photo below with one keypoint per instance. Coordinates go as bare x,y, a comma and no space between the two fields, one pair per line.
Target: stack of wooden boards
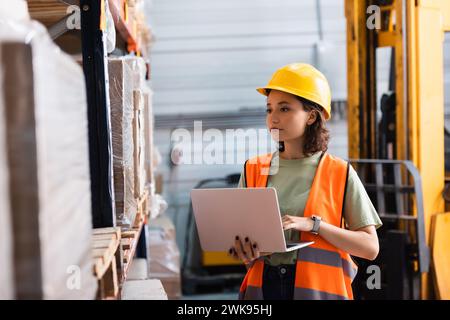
45,142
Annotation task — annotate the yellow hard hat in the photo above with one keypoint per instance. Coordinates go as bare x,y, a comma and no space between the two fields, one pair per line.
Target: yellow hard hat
302,80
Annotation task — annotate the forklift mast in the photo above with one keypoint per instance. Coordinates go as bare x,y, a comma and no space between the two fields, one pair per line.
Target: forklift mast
407,125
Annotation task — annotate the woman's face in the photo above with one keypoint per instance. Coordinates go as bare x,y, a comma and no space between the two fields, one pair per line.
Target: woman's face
286,115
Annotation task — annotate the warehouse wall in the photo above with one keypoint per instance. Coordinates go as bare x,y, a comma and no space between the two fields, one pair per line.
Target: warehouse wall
210,55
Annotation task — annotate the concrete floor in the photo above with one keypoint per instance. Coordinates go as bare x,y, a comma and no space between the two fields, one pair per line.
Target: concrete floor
212,296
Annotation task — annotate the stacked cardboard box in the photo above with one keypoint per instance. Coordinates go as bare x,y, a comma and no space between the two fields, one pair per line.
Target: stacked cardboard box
6,257
48,164
127,97
164,255
122,117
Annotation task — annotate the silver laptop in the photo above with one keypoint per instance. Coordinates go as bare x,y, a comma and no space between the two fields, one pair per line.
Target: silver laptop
224,213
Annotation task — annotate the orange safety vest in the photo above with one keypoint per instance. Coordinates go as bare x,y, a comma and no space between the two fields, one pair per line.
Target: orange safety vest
322,270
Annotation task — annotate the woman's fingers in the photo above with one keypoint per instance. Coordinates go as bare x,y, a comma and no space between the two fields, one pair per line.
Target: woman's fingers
255,249
232,253
246,250
240,250
249,249
288,222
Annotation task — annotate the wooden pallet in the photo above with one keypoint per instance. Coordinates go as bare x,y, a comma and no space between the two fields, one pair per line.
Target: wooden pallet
129,244
106,252
130,237
47,12
113,251
142,209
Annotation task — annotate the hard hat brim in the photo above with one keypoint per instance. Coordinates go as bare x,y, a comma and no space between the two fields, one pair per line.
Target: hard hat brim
263,91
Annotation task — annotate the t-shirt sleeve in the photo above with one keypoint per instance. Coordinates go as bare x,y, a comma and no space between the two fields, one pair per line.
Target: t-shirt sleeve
359,211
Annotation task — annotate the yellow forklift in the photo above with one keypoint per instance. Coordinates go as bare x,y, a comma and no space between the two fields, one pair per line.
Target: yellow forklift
406,130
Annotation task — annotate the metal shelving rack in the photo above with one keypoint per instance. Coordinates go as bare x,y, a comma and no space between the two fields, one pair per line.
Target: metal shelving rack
93,46
92,37
100,144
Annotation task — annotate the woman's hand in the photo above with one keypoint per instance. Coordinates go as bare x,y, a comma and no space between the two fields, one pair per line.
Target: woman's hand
297,223
246,251
362,243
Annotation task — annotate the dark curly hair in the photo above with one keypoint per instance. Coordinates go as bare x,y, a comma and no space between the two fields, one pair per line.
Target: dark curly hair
316,136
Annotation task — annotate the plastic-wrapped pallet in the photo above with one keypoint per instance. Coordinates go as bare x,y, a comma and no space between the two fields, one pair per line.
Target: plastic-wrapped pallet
122,115
47,137
6,254
127,86
164,255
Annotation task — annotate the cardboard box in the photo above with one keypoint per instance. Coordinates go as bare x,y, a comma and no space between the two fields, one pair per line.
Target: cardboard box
122,124
6,244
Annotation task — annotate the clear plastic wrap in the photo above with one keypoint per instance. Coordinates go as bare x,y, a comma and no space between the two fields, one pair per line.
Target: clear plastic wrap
157,205
49,169
6,254
164,255
122,116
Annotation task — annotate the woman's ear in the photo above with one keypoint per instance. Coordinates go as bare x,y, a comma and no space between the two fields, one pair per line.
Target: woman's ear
312,117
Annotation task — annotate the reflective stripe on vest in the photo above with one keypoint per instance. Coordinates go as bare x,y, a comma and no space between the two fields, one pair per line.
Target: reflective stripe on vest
322,271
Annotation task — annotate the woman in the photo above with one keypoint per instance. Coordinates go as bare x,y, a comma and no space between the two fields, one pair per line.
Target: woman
320,196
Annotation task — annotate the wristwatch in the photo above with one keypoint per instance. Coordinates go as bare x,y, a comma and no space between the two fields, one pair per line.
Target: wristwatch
316,225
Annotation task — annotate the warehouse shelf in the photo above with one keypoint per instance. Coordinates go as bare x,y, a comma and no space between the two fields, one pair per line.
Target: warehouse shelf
54,14
113,247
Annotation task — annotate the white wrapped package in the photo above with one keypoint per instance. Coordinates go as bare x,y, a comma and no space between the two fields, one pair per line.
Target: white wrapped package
6,257
47,132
